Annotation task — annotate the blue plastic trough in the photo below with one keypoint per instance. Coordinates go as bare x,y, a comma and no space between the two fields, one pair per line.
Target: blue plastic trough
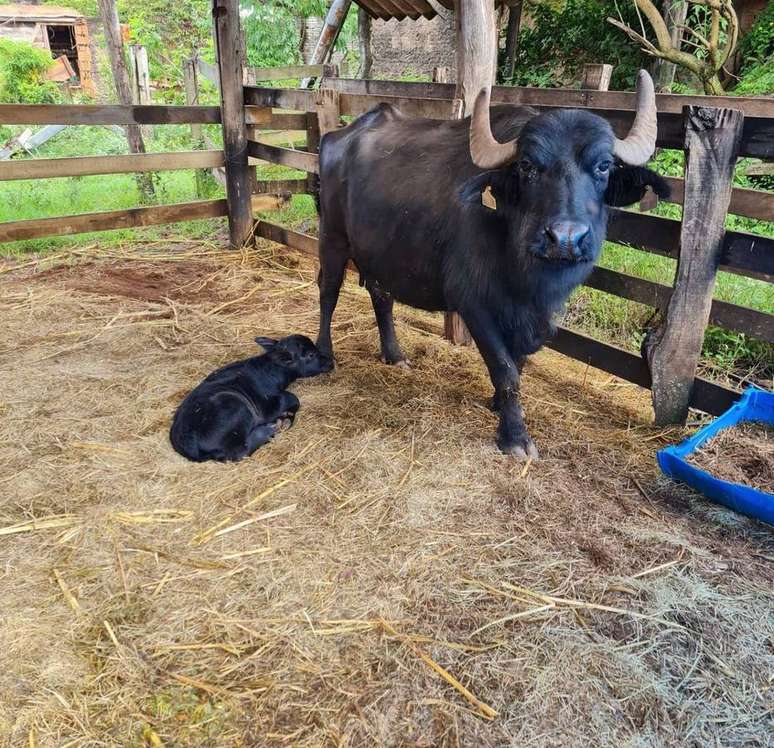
754,405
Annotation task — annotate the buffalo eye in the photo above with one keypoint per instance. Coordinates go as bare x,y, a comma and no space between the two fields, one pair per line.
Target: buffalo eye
526,167
602,169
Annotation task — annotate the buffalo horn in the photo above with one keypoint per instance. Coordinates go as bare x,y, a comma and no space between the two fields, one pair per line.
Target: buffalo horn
486,152
638,146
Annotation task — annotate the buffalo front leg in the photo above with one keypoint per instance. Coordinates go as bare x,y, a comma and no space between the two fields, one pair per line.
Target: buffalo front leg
383,303
512,436
333,265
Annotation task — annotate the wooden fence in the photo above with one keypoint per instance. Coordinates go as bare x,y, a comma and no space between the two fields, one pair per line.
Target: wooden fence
699,242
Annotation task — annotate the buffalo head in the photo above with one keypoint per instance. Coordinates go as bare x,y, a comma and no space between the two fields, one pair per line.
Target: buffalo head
553,181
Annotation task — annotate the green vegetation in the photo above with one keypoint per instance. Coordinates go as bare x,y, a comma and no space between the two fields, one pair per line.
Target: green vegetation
22,71
564,36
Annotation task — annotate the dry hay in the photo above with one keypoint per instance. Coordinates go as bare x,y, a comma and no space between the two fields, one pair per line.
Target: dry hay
741,454
379,574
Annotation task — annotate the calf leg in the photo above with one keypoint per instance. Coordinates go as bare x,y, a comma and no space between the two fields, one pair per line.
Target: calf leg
257,437
383,303
512,436
334,252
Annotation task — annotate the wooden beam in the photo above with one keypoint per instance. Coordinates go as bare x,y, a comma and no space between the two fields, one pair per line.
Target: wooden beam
596,76
729,316
46,168
255,117
208,71
288,72
280,98
286,156
711,143
744,202
239,186
280,187
113,219
625,101
706,396
106,114
293,239
334,20
328,111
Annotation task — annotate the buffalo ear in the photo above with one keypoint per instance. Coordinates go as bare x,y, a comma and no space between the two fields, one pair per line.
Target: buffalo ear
266,343
470,192
627,185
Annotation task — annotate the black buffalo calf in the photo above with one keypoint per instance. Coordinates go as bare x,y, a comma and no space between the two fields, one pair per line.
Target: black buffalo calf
238,408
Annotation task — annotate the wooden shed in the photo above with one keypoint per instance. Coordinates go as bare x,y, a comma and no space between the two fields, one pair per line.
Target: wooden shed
63,31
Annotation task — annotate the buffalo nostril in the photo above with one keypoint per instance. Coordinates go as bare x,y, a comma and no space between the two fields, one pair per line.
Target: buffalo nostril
567,236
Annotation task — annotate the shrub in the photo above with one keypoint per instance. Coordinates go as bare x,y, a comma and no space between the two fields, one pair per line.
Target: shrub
757,45
22,70
563,37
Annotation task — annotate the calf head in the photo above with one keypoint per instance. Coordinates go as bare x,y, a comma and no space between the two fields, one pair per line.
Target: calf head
552,182
298,354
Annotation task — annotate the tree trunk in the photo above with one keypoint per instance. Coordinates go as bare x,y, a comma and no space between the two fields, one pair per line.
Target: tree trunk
364,43
512,41
115,44
674,13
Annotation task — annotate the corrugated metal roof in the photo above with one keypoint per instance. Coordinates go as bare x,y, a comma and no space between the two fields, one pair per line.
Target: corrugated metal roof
400,9
39,14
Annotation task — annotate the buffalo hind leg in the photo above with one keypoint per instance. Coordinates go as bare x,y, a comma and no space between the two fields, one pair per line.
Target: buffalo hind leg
333,265
512,436
391,350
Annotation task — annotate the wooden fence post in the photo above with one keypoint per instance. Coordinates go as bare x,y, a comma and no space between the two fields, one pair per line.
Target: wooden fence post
191,85
596,76
712,138
239,182
454,328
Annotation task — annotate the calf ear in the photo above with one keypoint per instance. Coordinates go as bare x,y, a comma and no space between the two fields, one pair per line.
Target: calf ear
266,343
627,185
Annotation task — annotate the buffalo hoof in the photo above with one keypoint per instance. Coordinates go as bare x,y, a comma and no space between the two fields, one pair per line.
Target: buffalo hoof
520,447
402,363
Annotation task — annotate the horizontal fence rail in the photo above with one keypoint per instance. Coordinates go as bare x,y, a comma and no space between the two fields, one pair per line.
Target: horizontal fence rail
748,203
80,166
107,114
81,223
358,97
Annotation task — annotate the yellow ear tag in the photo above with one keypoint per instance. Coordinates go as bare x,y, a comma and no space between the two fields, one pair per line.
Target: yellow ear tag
488,199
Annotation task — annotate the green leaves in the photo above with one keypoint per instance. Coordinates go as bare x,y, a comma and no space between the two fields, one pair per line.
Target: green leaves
22,74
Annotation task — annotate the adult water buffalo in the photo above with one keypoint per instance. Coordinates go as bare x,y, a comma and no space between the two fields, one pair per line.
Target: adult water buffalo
402,198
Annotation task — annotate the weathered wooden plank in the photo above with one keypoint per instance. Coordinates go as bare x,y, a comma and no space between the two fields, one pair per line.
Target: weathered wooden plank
285,156
751,106
288,72
596,76
706,396
293,239
280,186
328,111
239,177
113,219
256,117
106,114
615,106
356,104
280,98
744,202
711,144
742,253
46,168
729,316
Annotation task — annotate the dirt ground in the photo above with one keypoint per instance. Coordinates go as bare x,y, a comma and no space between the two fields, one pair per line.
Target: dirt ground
379,574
